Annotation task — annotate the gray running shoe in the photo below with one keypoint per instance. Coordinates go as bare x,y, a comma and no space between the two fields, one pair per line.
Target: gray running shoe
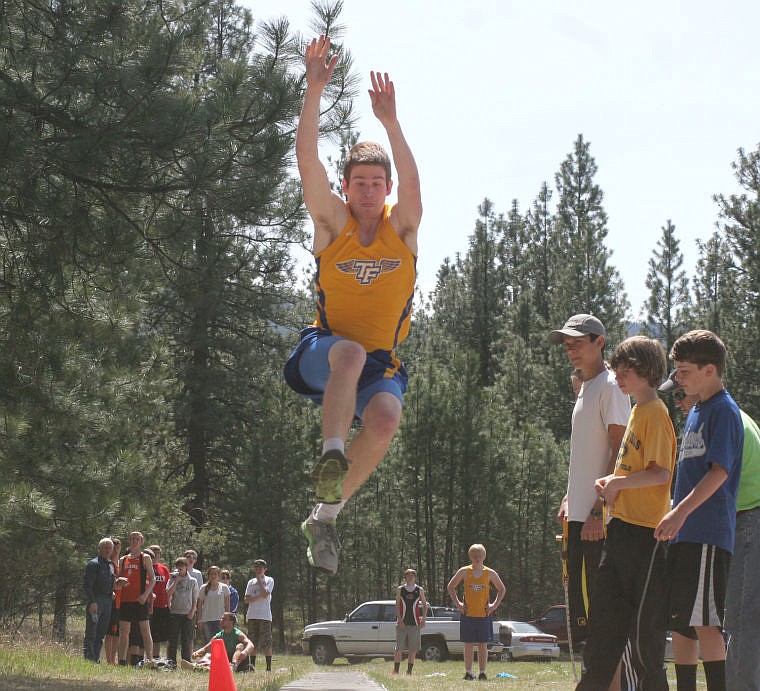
328,474
324,547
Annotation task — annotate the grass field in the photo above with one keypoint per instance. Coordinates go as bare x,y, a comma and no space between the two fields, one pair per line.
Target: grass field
43,666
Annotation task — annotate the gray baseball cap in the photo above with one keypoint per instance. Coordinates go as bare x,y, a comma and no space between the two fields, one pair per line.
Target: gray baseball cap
578,325
669,384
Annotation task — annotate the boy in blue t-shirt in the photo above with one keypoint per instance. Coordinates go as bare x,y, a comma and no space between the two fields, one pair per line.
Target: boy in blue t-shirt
702,523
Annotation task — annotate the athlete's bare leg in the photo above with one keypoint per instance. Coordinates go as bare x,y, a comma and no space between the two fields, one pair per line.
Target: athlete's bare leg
380,420
346,360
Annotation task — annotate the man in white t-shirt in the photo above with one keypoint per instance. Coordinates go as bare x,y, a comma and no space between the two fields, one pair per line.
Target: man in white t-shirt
258,597
600,416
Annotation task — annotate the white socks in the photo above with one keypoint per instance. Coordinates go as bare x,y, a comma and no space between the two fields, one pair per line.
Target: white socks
333,443
328,512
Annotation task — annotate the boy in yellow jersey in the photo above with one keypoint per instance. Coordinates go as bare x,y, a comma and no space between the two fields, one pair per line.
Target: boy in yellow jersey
475,624
630,585
365,252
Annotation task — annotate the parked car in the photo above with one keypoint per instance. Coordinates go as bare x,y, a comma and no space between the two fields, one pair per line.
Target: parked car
370,631
524,641
444,612
554,622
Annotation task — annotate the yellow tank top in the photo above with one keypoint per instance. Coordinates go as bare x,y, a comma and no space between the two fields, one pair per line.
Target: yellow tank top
476,591
366,293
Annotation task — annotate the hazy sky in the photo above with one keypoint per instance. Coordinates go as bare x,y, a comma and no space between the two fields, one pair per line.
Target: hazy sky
492,95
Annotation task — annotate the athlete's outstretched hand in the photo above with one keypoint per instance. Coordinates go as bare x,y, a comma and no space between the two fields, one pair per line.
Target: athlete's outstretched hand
383,97
319,69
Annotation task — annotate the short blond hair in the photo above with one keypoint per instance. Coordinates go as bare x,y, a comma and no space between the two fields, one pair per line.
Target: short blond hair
477,547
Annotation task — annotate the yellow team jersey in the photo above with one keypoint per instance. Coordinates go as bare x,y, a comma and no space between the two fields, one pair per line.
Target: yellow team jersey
476,591
648,437
365,293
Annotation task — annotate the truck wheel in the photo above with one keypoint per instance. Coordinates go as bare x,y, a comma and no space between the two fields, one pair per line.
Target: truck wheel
434,650
323,651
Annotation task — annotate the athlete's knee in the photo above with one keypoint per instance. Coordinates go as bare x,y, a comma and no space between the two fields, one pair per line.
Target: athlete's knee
382,415
347,356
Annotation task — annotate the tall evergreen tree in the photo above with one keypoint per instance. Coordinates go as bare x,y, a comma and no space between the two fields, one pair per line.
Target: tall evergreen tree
668,306
715,288
589,283
740,220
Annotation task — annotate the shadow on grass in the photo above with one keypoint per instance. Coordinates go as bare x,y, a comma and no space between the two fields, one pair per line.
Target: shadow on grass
25,684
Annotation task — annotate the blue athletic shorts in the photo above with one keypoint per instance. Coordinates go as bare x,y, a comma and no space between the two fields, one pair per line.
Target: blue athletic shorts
475,629
308,369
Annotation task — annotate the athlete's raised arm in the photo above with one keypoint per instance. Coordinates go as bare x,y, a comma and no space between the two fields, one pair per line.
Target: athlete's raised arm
324,206
407,212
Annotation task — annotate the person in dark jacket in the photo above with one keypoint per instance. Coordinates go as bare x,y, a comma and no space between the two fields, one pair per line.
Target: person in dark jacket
98,588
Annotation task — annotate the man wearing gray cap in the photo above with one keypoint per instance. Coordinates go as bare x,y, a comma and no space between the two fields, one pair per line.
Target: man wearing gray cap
600,416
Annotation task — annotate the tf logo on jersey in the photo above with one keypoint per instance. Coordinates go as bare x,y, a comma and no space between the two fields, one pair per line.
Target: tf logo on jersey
367,270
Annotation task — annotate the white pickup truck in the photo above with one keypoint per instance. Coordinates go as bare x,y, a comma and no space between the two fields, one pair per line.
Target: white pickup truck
370,631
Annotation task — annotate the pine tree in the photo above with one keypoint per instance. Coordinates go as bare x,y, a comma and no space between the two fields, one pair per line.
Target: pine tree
588,282
740,221
669,303
715,287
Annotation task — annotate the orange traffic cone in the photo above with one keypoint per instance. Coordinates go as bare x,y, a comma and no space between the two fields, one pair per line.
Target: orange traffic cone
220,674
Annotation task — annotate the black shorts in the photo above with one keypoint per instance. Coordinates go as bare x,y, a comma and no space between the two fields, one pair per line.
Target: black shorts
696,576
133,612
159,624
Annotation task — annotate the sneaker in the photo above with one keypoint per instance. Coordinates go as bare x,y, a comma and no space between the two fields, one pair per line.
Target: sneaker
482,677
186,664
148,664
324,547
468,677
328,474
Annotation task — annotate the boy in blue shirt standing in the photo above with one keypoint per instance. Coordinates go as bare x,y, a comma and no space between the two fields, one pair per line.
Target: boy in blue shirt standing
702,523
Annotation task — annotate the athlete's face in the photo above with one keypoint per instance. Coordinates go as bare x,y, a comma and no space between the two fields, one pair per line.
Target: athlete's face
367,189
629,382
691,377
583,353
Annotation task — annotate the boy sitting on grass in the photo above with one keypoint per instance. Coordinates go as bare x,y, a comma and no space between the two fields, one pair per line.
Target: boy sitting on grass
236,643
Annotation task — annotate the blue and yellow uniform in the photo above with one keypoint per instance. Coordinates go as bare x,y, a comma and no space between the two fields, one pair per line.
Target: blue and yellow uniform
364,294
475,625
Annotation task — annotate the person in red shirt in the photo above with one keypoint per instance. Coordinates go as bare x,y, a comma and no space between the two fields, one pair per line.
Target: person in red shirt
136,581
159,618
